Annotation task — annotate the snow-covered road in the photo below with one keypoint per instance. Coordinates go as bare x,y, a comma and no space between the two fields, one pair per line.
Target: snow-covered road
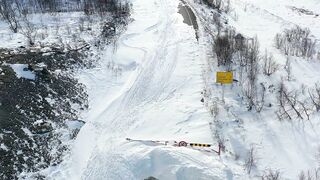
157,97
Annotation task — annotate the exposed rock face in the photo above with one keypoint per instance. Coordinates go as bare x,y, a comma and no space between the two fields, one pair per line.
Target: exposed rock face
35,113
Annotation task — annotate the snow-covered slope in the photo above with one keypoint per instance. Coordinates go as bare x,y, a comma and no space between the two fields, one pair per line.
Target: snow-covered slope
157,97
287,147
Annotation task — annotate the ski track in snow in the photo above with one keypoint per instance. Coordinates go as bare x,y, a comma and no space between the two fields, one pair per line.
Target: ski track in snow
160,99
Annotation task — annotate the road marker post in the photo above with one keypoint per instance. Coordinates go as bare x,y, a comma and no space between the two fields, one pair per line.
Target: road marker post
224,77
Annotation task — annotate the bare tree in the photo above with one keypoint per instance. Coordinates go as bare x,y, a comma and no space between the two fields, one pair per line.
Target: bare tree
269,65
290,105
292,100
259,104
296,42
216,19
9,14
224,50
227,6
252,69
318,156
310,174
271,175
315,96
217,4
29,30
306,109
282,112
251,160
288,69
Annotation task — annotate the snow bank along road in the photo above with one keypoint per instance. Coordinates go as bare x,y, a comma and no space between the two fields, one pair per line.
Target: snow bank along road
157,97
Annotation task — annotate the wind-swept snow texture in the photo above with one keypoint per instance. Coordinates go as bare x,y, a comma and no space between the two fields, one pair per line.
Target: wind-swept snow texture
157,97
288,147
284,146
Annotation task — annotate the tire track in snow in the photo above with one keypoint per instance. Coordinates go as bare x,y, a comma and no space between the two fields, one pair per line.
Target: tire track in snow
127,88
146,88
153,26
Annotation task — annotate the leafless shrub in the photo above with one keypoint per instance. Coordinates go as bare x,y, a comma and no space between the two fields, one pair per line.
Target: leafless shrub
306,109
216,128
303,89
29,30
62,45
68,29
252,70
219,5
310,174
241,56
259,104
9,13
13,10
214,109
89,22
290,105
44,33
216,20
314,95
56,29
271,175
224,48
88,8
227,6
251,160
249,91
269,65
288,69
81,24
318,156
302,10
296,42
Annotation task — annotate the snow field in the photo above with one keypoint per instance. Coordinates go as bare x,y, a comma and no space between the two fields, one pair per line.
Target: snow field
287,147
157,98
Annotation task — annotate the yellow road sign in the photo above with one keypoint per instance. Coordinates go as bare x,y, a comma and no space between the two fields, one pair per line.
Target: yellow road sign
225,77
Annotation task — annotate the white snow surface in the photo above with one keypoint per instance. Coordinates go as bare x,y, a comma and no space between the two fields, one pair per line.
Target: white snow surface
22,72
285,146
290,147
157,97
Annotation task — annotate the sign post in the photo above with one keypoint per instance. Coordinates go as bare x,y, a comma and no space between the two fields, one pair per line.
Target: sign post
224,77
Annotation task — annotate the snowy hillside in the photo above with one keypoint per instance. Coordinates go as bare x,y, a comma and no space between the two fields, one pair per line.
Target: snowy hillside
168,72
41,98
286,146
157,98
139,98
